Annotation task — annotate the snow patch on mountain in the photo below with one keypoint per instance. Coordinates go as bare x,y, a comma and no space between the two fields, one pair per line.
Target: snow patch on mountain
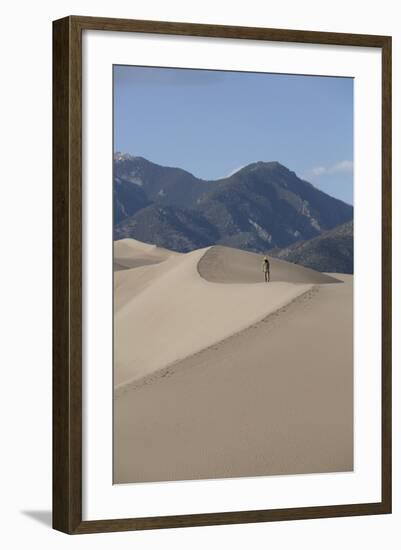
123,156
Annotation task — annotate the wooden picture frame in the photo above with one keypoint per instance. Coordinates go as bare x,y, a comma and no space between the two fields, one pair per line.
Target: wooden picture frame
67,274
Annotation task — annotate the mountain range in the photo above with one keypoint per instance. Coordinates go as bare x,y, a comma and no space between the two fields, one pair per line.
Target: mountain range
263,206
332,251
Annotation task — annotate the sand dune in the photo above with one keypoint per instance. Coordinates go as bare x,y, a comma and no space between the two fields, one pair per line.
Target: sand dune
168,311
219,375
129,253
221,264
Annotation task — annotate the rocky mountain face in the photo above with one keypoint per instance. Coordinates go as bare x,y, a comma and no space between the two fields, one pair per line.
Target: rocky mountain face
169,227
332,251
161,184
261,207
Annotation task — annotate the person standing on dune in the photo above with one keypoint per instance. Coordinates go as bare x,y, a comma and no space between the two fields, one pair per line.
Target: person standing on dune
266,269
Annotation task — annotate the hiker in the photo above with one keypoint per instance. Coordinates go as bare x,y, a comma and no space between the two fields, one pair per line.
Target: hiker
266,269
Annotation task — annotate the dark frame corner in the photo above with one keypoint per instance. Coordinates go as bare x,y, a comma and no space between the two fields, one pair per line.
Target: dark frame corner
67,278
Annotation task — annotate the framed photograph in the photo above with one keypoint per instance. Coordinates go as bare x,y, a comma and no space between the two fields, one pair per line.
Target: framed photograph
222,275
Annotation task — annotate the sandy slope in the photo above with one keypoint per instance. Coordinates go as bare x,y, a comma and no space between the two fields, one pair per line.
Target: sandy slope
269,390
168,311
129,253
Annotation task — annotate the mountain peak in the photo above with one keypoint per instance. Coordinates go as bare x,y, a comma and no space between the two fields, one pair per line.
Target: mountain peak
266,165
262,166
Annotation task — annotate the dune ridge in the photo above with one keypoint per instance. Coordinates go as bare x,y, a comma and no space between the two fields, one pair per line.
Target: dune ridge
167,311
221,264
173,367
129,253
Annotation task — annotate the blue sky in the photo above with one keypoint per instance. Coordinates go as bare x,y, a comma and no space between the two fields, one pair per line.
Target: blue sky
214,122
